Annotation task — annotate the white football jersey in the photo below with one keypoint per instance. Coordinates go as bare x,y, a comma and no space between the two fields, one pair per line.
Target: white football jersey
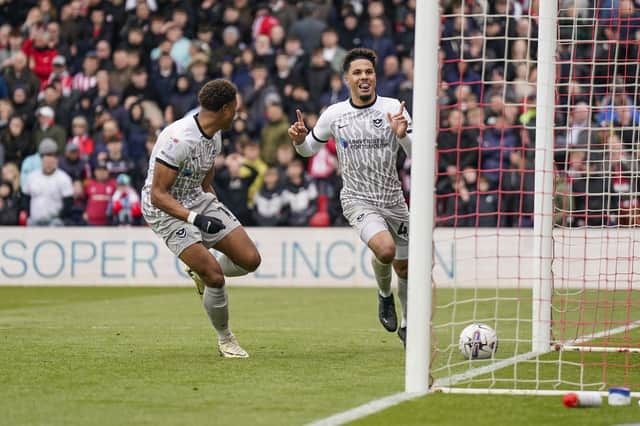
184,147
367,149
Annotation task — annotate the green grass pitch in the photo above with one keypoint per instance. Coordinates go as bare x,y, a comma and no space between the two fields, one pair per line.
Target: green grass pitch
116,356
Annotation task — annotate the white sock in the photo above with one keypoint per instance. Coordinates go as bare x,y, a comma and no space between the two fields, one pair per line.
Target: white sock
215,304
402,295
382,271
230,269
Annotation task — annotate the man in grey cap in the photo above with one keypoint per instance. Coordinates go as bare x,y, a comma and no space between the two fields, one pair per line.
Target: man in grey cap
48,191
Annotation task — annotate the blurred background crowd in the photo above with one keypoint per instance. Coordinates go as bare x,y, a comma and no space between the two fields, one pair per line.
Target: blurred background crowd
86,85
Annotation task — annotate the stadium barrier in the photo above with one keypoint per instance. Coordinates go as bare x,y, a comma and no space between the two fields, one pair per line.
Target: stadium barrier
297,257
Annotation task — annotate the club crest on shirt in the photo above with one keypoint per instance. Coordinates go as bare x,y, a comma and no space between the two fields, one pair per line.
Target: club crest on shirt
377,122
344,143
187,172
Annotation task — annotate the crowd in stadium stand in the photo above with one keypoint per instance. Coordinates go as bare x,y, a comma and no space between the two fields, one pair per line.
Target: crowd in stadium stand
86,85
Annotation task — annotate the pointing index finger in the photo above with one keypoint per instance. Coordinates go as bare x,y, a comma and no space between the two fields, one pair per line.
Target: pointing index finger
299,114
401,108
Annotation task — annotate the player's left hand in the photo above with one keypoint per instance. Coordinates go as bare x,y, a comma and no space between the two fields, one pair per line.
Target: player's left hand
398,122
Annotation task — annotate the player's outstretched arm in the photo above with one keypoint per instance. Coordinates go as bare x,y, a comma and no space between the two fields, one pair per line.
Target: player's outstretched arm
298,131
399,123
163,179
303,141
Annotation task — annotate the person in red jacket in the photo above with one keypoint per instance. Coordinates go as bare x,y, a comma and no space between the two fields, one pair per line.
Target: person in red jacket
99,192
40,52
125,206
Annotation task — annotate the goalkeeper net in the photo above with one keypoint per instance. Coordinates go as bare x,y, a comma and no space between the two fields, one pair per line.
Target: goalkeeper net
557,147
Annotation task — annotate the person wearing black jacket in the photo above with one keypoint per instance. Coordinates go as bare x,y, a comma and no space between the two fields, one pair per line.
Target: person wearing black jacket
9,205
301,195
268,202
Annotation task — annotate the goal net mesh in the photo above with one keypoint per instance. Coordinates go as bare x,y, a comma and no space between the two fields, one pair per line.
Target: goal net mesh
485,262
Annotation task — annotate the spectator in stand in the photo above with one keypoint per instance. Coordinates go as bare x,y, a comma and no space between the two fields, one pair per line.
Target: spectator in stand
98,192
19,75
389,83
299,99
379,41
405,90
59,73
86,79
52,97
6,112
140,87
337,91
120,75
499,141
9,205
47,128
40,53
308,29
274,133
233,188
116,158
300,194
136,131
48,191
257,95
13,47
230,49
332,52
457,150
73,164
11,173
318,75
350,33
263,51
125,206
80,137
16,141
100,29
163,78
268,203
252,162
182,100
78,206
285,155
23,106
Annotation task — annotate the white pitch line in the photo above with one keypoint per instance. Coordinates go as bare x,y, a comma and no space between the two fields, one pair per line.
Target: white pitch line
457,378
584,339
365,410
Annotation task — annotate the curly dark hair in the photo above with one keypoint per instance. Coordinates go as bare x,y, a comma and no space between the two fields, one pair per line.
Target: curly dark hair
216,93
359,53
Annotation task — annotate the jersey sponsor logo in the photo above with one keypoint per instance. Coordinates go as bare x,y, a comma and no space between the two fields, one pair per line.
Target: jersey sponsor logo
344,125
377,122
364,143
181,233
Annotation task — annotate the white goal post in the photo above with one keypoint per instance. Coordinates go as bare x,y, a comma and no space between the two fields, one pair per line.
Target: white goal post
563,294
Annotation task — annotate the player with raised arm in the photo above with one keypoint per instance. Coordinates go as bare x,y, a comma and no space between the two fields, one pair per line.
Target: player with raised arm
368,129
180,206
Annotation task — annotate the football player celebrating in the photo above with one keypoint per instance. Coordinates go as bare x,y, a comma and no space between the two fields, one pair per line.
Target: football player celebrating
180,206
368,129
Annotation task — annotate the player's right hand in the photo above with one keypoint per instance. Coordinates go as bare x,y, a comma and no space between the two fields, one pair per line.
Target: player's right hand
208,224
298,131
